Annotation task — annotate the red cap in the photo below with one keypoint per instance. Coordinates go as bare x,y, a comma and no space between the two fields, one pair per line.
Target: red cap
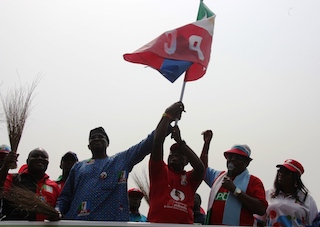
175,147
135,191
293,166
239,149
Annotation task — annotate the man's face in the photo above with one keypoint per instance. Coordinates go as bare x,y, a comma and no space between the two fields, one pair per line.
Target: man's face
177,161
197,202
68,162
38,161
240,163
98,142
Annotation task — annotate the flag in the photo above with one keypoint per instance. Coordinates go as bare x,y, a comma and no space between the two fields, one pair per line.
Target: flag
204,12
184,49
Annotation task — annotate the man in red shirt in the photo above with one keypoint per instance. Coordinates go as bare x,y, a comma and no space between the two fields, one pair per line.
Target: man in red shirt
235,194
172,189
33,178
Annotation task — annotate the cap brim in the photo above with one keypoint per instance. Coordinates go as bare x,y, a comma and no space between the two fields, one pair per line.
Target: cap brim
236,151
287,167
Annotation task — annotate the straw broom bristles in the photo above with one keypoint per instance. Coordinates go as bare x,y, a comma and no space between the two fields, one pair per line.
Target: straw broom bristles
23,199
142,181
16,106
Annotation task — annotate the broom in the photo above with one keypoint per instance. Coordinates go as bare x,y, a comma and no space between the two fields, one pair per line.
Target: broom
16,106
142,181
23,199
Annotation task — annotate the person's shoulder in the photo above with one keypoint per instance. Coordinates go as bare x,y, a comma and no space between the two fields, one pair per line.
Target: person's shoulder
256,182
79,164
255,178
212,170
51,182
309,197
209,172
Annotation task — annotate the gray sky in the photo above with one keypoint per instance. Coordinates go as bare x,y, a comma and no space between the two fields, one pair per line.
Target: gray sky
261,87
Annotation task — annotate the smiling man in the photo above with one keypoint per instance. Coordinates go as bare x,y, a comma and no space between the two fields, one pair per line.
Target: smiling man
235,194
33,178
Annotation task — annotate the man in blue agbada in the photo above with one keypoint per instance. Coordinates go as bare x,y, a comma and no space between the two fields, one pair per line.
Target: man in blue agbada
96,189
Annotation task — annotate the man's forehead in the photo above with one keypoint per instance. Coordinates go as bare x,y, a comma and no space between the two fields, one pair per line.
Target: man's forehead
69,157
177,151
38,152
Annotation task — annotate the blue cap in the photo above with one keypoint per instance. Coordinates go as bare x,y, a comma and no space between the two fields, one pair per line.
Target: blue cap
5,149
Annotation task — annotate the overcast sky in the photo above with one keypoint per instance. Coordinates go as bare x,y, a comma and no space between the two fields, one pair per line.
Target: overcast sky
261,87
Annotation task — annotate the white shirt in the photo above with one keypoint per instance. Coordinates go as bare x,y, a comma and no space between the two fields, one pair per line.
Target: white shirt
286,211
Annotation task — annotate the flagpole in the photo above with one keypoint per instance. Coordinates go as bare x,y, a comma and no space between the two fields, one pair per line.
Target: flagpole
182,90
181,97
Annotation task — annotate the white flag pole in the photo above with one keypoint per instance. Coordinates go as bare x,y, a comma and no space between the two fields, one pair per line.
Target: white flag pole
181,97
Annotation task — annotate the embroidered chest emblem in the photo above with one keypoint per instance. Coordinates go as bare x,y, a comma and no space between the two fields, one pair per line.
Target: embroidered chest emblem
184,181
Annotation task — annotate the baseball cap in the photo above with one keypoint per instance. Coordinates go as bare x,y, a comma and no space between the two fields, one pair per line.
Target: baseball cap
71,154
175,147
135,191
4,149
293,166
240,149
98,130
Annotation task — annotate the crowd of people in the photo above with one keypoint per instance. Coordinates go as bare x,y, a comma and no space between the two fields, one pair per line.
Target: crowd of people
96,189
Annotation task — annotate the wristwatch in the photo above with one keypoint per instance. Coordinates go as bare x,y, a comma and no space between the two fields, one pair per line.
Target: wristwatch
237,192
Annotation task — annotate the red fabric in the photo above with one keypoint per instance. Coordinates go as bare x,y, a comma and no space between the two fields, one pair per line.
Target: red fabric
293,166
48,189
191,42
255,189
23,168
165,207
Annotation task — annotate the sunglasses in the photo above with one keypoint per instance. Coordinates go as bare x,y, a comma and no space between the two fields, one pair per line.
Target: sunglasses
284,171
236,157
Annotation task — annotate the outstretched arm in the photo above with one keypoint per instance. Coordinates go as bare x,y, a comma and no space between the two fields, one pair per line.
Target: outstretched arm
207,136
172,112
195,162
